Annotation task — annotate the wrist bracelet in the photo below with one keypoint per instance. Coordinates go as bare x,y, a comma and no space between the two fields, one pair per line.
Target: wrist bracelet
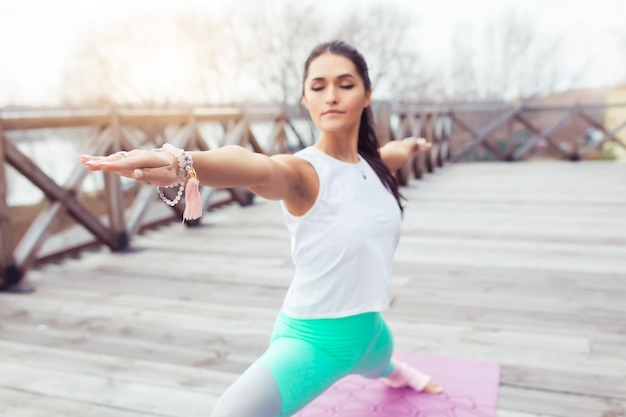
187,177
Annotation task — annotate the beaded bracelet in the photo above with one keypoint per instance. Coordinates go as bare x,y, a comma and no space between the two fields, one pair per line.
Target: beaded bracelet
187,177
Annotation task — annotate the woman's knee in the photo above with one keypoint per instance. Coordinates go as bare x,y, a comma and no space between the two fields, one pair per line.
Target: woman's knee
226,409
241,407
254,394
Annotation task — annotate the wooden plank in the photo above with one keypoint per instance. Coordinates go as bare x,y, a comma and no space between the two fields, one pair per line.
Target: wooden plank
162,286
113,392
523,150
568,381
216,351
17,403
485,143
139,370
43,226
144,199
24,120
509,413
159,117
554,143
528,348
7,262
608,135
30,170
441,138
382,119
113,188
488,130
74,306
557,403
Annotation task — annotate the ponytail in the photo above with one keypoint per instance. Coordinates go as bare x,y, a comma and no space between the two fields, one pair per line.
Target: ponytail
368,149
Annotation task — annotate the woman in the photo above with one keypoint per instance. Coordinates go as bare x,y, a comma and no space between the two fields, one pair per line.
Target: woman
342,207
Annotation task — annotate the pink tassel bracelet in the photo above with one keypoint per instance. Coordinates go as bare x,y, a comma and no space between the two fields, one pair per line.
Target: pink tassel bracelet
187,178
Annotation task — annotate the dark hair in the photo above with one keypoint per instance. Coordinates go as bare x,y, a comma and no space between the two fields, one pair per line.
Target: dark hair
368,141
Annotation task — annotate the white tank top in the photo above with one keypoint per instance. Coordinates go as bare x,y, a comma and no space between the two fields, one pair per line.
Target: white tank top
343,246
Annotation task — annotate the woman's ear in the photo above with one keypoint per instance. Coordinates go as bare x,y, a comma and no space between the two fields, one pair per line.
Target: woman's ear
368,98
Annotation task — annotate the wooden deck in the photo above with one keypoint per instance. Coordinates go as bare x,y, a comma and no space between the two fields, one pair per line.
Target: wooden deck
523,264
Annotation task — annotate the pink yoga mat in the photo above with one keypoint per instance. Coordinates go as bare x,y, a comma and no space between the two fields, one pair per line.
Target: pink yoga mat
470,390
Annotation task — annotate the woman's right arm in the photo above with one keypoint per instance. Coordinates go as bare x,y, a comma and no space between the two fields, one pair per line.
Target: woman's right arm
279,177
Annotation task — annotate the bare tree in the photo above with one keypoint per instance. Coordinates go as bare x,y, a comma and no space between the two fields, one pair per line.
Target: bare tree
387,38
276,38
282,33
256,54
464,64
221,52
505,60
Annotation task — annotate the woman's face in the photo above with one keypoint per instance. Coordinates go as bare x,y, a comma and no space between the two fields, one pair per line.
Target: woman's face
334,93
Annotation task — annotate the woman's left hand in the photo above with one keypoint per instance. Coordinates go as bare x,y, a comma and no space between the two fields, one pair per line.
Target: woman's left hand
419,145
158,168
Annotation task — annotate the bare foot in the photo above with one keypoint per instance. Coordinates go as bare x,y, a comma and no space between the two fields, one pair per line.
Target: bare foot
432,387
404,375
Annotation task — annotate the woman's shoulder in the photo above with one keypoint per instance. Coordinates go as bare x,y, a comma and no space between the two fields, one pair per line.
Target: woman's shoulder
310,152
315,157
304,157
309,156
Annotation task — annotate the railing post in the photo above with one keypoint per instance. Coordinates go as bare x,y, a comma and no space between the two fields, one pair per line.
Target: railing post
114,193
446,131
510,140
438,139
382,118
10,274
431,120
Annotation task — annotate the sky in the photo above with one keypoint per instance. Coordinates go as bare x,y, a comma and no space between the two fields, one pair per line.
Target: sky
39,38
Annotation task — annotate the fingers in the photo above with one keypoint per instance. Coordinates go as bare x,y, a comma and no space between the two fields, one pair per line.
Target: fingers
419,145
423,145
159,168
95,161
127,160
161,177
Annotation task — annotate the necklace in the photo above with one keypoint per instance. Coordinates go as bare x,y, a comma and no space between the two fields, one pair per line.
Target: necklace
360,167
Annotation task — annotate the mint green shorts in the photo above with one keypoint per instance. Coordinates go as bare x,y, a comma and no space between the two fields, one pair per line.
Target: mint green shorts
307,356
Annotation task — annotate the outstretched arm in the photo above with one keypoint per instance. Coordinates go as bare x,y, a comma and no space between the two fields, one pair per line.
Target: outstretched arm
231,166
396,153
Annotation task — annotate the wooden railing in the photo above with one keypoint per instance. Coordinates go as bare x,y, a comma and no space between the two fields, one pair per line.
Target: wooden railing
113,215
522,131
